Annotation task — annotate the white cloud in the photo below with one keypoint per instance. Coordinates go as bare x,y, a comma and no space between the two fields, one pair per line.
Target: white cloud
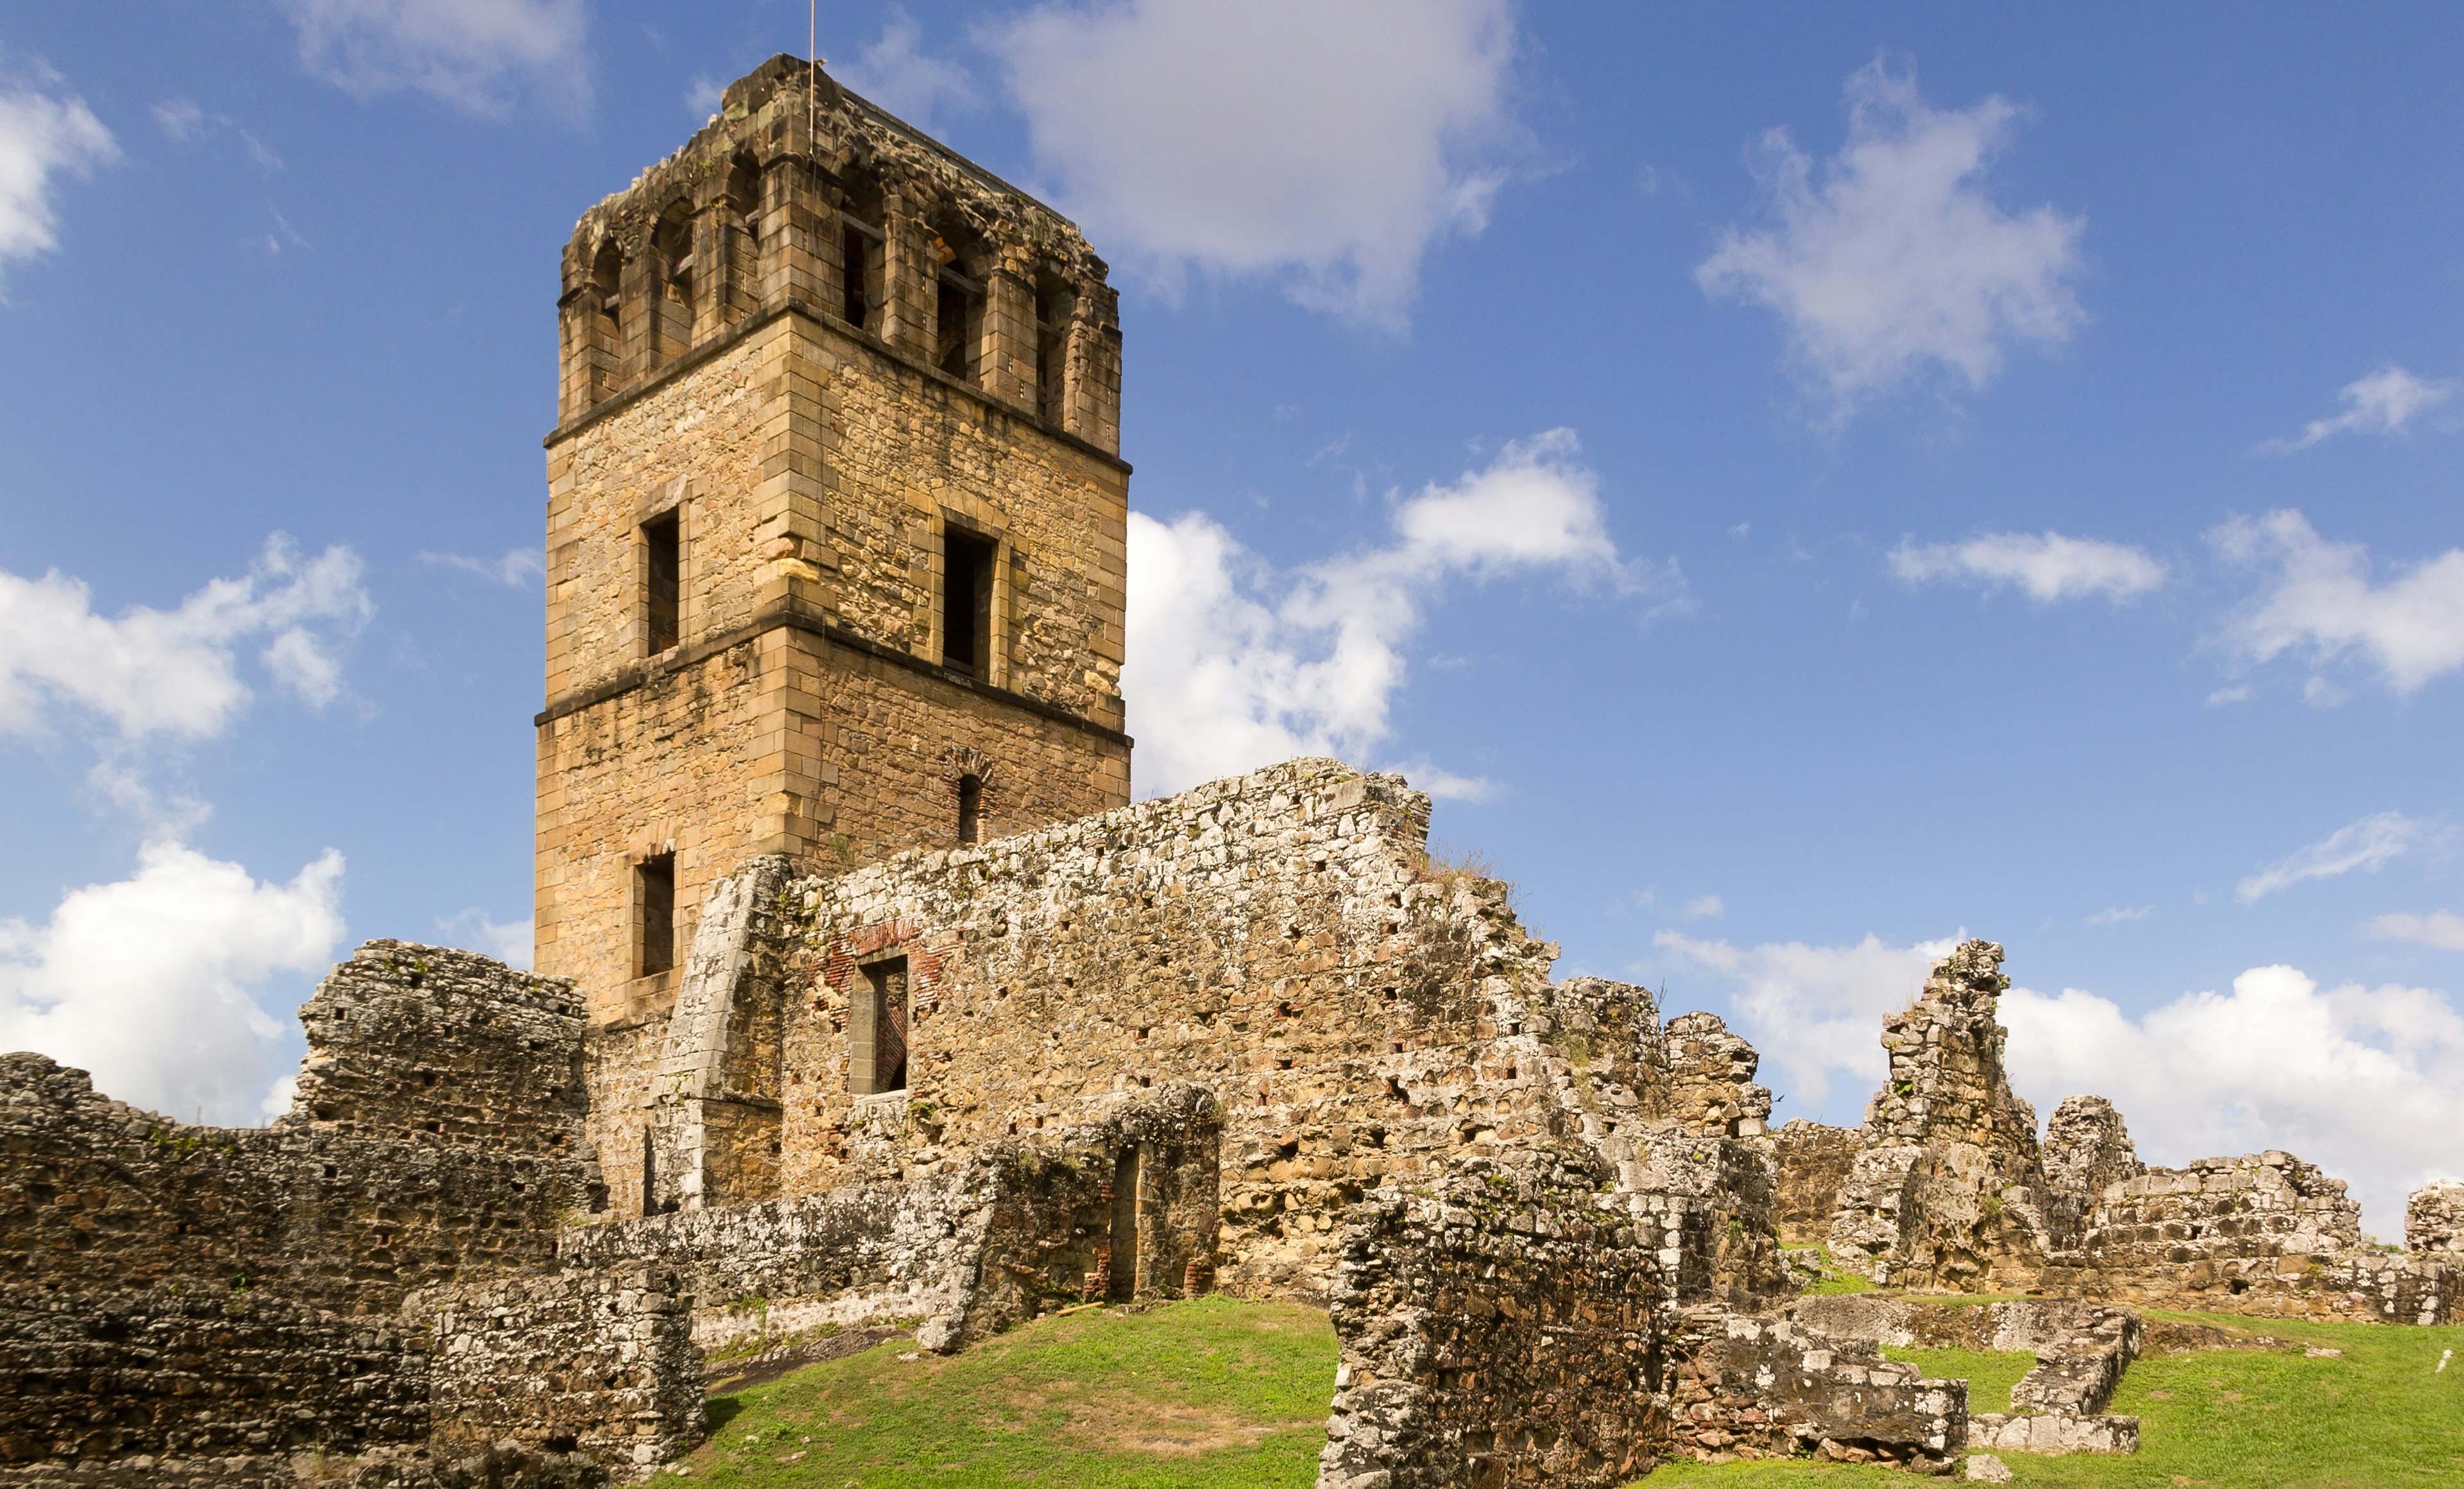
507,940
2120,915
898,74
2441,931
176,672
1704,906
477,55
1232,666
2370,844
2380,402
182,121
514,569
2319,601
151,983
45,132
2366,1082
1897,264
2048,565
1325,147
1816,1011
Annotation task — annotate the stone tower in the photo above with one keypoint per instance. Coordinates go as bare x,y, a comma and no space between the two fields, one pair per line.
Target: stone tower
836,523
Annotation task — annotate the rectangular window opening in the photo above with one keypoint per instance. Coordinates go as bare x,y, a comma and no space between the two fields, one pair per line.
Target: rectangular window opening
966,602
1124,1238
860,258
958,322
663,575
877,1030
1053,310
656,882
971,806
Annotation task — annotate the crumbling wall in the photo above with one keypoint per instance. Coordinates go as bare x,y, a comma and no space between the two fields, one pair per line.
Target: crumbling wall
1497,1327
1015,1227
2087,1150
1814,1161
712,1098
1949,1190
169,1291
1754,1388
601,1362
2082,1350
2264,1233
2434,1219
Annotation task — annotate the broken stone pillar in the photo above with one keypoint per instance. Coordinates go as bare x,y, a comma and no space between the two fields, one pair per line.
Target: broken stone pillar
1949,1190
2434,1219
2087,1148
712,1125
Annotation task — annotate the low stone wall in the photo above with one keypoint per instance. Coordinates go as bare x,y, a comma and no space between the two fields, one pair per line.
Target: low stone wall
171,1292
1497,1328
1015,1229
1754,1388
2264,1234
599,1361
2082,1350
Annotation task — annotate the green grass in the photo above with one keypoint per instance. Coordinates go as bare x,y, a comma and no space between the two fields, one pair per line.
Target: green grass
1990,1373
2381,1417
1207,1392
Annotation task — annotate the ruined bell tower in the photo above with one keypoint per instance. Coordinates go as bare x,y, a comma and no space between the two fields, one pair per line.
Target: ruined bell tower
836,524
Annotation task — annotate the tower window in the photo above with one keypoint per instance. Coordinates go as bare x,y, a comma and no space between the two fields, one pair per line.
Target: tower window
1053,308
966,602
655,882
860,250
971,808
663,575
673,292
958,320
877,1030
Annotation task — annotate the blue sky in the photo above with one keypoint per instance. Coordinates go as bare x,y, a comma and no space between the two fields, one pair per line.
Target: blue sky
1804,483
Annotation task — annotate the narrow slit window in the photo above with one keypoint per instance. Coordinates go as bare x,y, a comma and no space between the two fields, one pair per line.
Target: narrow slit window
656,878
1053,310
958,316
877,1030
971,808
1124,1238
860,256
966,602
663,577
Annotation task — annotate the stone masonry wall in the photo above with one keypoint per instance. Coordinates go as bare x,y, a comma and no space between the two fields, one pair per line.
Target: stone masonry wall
2087,1150
1020,1228
1814,1162
1497,1328
2265,1234
208,1294
2434,1218
1279,940
1949,1190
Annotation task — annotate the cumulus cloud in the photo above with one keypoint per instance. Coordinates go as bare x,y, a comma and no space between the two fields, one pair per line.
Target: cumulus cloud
46,132
176,672
2382,403
2440,930
2048,565
1896,263
2318,602
514,569
2366,1082
1816,1011
477,54
897,73
1232,666
1326,147
2370,844
151,983
507,940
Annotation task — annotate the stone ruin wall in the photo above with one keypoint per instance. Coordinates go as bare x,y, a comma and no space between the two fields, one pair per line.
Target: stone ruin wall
1814,1162
192,1305
1279,940
2434,1219
1950,1191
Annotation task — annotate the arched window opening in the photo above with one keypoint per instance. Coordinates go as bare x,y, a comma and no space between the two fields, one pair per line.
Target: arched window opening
603,327
862,252
1054,305
971,808
743,225
959,261
672,299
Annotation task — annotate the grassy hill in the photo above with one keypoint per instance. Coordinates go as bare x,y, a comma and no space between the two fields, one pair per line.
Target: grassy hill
1221,1393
